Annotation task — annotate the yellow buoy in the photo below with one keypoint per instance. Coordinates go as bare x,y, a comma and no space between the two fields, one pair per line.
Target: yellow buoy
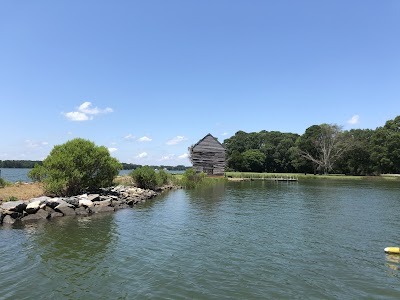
393,250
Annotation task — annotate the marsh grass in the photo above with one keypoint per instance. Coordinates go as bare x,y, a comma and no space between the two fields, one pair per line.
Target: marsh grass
302,176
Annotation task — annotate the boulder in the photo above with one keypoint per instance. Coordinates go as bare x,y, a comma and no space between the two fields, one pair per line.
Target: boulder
100,209
8,220
56,214
103,203
12,214
93,197
86,203
66,210
73,201
33,207
121,206
17,206
54,202
39,215
42,199
82,211
49,209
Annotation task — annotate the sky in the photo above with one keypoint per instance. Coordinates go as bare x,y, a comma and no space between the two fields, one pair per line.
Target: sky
147,79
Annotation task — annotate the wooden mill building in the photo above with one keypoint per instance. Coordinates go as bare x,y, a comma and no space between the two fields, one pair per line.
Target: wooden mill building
208,156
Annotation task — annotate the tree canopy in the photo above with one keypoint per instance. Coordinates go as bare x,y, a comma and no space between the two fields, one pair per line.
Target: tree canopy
75,167
324,148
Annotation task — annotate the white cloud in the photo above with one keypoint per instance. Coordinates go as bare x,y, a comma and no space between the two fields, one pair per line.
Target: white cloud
176,140
86,112
224,134
141,155
145,139
129,137
354,120
77,116
167,157
183,156
111,150
35,145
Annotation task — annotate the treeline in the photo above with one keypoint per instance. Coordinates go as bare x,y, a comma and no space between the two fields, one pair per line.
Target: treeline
324,148
28,164
126,166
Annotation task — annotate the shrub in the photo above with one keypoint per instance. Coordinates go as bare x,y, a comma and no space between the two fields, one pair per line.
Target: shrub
38,173
191,179
4,183
75,167
162,177
145,177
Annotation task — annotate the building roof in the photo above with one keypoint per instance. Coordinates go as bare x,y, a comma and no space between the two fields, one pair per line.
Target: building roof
208,135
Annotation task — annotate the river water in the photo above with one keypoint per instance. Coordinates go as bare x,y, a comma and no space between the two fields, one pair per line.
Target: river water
21,174
249,240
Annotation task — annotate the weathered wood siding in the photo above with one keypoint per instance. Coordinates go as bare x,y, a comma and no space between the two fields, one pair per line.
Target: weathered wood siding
208,156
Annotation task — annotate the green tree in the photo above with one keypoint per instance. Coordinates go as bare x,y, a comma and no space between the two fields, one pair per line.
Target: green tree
253,160
75,167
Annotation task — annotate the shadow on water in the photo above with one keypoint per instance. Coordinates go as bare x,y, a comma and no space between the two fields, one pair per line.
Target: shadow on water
71,252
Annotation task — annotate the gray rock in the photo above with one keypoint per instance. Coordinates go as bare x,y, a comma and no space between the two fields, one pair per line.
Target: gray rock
40,215
12,214
33,207
86,203
121,206
65,210
103,203
56,215
54,202
81,211
42,199
73,201
8,220
93,197
100,209
49,209
17,206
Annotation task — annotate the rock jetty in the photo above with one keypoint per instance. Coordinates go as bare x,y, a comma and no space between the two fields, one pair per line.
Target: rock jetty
107,199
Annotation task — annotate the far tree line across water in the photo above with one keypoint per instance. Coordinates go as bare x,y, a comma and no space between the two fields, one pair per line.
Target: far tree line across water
324,148
29,164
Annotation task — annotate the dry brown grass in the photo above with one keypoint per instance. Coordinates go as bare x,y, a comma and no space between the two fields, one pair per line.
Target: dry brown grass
124,180
26,191
21,191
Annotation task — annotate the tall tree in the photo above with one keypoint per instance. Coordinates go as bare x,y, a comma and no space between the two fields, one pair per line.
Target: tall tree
328,145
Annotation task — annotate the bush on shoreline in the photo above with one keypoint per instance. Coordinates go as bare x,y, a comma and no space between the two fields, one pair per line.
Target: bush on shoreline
147,178
191,179
76,167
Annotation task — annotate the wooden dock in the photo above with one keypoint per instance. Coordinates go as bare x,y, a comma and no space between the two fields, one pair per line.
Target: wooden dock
285,179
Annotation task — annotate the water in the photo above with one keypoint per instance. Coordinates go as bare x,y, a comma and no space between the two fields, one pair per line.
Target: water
14,175
250,240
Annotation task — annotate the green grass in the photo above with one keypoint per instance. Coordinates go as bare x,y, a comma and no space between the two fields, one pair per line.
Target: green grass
302,176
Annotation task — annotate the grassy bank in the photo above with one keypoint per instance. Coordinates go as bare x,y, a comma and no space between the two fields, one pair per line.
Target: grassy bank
21,191
302,176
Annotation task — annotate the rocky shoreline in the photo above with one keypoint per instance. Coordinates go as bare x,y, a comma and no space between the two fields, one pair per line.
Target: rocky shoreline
107,199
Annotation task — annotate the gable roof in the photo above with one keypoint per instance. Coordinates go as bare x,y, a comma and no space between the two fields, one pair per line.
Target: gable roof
208,135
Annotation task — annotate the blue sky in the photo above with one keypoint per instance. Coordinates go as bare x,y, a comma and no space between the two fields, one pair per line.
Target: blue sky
147,79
